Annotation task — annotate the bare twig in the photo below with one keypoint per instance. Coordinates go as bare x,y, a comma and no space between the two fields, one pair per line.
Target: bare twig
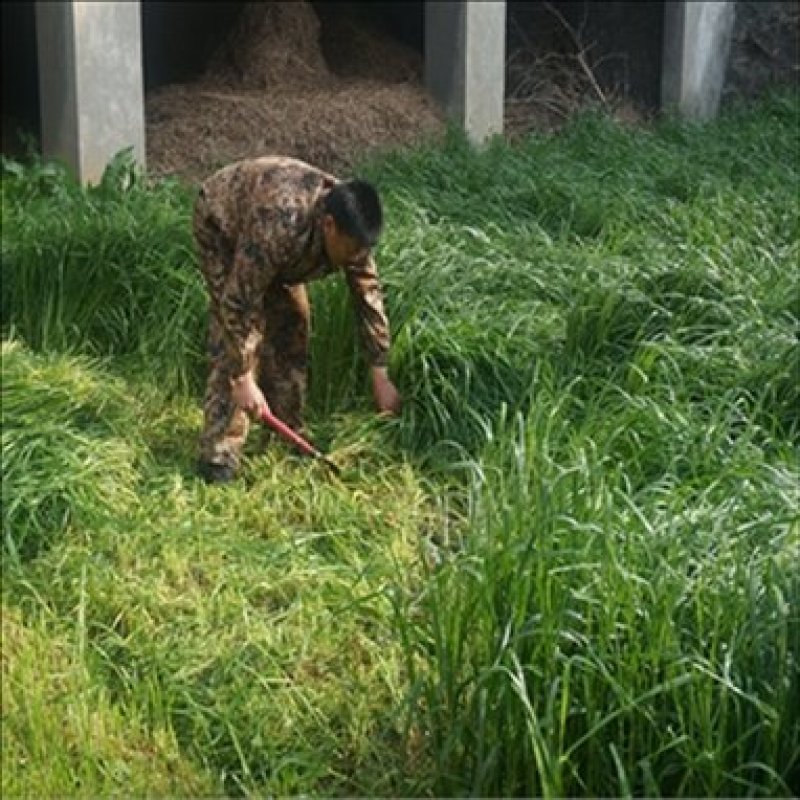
581,50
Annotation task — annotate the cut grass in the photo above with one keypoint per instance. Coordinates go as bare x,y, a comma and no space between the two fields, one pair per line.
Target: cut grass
569,568
70,447
251,623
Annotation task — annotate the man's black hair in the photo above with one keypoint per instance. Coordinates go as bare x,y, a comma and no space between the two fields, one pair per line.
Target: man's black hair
356,210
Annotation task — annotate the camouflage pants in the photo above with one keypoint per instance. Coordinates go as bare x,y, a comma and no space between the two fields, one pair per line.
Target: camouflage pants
281,373
282,363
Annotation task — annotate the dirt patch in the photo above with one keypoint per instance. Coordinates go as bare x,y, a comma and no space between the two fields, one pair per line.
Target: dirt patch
269,89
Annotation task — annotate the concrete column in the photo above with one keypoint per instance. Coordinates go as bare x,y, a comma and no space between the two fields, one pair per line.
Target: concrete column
465,52
90,82
697,38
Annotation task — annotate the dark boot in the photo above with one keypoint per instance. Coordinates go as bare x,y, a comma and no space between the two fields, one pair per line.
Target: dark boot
216,473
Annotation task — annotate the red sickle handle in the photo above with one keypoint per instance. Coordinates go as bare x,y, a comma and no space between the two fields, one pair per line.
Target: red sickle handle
292,436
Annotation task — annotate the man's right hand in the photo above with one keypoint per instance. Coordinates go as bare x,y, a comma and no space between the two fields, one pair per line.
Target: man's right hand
387,398
248,396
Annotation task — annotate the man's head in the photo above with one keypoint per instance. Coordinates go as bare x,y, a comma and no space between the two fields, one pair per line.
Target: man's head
352,221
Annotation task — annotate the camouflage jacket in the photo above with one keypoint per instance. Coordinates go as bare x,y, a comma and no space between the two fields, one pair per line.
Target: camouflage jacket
259,221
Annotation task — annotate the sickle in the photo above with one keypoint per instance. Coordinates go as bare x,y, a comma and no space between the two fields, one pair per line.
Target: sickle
305,447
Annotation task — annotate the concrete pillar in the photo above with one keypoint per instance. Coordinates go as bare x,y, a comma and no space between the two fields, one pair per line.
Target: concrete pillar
465,53
697,38
90,82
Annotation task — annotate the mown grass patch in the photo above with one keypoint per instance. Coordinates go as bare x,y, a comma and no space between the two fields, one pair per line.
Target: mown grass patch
568,568
252,624
71,450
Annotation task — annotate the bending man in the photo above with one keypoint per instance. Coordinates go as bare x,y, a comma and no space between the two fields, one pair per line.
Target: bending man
264,228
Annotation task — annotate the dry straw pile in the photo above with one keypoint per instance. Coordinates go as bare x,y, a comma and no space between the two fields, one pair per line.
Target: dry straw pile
272,88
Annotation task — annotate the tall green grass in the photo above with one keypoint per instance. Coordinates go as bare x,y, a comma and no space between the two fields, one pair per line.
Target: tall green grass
495,268
569,567
592,636
104,270
623,616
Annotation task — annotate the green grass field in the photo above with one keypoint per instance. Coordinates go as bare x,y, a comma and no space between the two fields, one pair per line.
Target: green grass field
570,568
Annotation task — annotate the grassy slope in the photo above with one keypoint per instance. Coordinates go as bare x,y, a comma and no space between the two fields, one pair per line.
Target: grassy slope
569,567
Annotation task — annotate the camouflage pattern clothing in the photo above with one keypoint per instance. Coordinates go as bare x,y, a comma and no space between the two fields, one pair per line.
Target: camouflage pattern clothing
258,228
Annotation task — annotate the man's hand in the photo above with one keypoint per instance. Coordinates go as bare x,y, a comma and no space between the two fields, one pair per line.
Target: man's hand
387,398
248,396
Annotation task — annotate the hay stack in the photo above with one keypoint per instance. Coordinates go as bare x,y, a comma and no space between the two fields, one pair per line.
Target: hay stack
268,90
272,44
353,50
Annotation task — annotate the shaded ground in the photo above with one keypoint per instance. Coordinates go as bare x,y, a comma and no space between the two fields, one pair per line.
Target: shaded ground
323,84
765,49
330,82
329,87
